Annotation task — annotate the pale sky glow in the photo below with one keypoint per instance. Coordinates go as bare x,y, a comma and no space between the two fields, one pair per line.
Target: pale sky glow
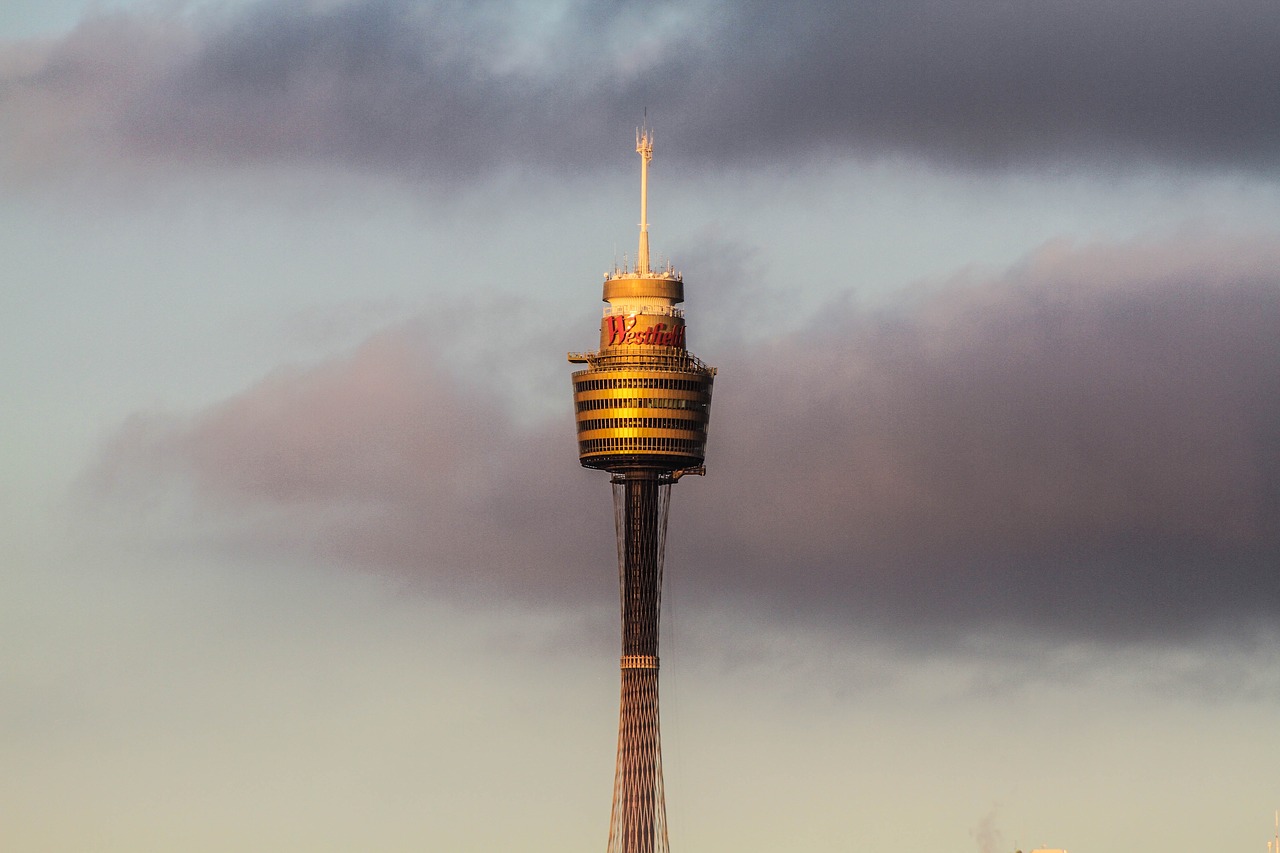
296,552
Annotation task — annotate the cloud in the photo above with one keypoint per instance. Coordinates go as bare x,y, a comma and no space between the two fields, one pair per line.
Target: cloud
987,835
1087,446
380,459
452,91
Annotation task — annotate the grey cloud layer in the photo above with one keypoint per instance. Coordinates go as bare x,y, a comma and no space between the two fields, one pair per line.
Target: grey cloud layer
452,90
1087,445
1090,444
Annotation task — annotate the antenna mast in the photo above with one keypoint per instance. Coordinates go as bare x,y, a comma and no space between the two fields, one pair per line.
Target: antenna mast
644,147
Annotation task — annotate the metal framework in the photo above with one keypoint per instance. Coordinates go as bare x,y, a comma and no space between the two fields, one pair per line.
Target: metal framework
638,821
642,406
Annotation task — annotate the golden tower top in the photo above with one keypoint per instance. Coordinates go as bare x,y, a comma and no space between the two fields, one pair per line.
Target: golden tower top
643,401
629,289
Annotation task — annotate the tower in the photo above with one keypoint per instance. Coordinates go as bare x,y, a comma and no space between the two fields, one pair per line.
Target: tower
642,406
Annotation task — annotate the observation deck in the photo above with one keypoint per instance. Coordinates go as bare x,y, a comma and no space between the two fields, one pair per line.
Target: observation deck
646,413
643,402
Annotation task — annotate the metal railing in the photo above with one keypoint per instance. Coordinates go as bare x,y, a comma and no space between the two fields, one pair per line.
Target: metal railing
652,310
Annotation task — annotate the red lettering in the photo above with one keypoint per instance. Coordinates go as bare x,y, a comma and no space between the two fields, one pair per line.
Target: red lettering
619,330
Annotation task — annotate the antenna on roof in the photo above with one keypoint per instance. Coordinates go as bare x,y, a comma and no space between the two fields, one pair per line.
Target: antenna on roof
644,147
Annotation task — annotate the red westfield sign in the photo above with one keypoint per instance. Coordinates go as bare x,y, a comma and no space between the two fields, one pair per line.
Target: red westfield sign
620,331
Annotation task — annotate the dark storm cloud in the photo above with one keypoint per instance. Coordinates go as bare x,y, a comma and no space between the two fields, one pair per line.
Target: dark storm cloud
452,90
1088,445
993,83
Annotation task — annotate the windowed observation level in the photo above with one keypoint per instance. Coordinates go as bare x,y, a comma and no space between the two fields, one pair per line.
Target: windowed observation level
641,417
643,401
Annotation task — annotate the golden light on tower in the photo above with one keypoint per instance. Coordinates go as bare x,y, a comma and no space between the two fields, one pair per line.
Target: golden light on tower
643,404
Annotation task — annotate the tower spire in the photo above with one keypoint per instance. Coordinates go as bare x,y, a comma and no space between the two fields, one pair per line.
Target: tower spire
644,147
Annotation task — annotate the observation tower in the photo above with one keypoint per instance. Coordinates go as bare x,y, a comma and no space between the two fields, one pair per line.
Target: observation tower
642,406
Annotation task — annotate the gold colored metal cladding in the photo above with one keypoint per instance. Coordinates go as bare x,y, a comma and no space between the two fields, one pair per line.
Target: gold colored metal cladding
642,287
638,418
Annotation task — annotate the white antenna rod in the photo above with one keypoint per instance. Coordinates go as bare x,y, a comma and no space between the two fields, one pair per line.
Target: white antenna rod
644,147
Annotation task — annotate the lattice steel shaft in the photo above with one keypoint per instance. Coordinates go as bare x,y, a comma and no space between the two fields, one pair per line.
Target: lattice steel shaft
638,822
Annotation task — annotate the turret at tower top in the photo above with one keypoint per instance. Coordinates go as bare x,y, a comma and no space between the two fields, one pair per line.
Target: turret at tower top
625,287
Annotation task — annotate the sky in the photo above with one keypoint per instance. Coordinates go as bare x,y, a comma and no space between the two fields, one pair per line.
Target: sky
297,555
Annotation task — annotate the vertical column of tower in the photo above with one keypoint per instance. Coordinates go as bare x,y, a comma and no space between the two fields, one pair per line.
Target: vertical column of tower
638,822
644,147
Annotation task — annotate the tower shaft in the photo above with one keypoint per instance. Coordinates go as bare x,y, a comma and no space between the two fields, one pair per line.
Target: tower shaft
638,821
